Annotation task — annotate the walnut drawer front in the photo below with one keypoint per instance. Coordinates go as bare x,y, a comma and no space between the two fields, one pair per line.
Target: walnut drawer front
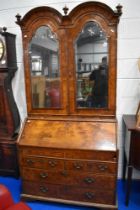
40,189
35,151
87,195
69,153
42,162
70,178
91,166
68,193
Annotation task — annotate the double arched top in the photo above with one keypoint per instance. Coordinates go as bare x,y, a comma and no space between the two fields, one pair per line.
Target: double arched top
90,8
64,62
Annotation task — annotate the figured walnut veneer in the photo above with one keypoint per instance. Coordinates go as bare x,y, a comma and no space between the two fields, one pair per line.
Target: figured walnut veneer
69,154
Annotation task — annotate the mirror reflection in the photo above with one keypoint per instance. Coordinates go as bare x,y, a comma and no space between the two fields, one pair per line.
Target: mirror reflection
91,57
44,69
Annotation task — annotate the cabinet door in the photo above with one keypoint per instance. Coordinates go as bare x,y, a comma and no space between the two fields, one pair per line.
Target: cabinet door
92,56
44,56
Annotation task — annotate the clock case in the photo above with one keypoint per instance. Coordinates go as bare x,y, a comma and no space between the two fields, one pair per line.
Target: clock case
9,115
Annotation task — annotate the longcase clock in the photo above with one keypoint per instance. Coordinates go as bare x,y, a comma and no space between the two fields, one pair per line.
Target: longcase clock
9,115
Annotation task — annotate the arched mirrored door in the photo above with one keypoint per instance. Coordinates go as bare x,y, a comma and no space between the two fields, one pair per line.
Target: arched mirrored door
44,69
91,60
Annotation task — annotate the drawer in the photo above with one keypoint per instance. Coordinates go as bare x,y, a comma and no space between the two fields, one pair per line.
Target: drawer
68,193
69,153
70,178
91,166
42,162
92,155
87,195
40,151
96,181
40,189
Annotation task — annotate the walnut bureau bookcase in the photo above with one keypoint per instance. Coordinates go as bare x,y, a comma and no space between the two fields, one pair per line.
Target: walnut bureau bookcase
67,146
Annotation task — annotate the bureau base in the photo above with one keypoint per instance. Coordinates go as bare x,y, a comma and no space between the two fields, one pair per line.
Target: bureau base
73,167
26,197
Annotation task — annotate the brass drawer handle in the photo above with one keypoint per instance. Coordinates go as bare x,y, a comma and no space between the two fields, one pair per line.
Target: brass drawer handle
102,167
29,161
89,195
43,189
43,175
52,163
89,180
78,165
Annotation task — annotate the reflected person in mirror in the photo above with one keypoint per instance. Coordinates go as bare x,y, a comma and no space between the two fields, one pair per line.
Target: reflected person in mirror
99,81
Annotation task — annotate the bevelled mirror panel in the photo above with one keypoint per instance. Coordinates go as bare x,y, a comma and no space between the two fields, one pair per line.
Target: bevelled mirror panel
44,69
91,59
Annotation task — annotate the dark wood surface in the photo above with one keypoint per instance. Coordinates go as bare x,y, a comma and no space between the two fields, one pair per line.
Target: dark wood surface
9,115
8,158
131,151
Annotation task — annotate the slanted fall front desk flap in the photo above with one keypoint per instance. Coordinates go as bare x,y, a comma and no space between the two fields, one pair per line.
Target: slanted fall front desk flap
65,134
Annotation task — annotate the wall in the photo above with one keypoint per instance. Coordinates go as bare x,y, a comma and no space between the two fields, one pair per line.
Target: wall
128,82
